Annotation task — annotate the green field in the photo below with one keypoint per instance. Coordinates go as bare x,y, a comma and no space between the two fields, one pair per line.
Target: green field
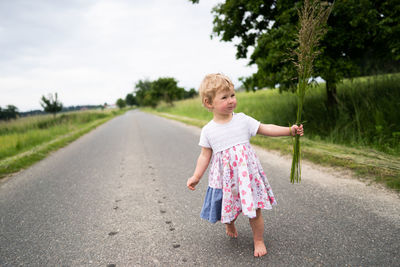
26,140
364,137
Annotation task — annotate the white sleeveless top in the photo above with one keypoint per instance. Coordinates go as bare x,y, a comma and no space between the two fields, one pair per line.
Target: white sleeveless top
219,137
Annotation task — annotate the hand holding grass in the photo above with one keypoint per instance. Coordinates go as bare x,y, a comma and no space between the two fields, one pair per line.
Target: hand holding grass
296,130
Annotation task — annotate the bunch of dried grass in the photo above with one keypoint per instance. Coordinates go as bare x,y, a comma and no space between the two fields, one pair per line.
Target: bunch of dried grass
312,27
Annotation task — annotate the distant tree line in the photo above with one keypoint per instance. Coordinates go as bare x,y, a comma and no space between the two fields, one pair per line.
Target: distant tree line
83,107
145,93
50,105
151,93
64,109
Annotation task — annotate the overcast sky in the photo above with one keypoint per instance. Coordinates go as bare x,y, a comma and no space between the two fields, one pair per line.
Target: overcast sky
94,51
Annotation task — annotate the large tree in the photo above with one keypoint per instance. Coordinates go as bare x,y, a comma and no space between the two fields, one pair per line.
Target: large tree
363,38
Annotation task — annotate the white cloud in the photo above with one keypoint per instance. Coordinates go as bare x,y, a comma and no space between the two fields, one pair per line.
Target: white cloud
92,52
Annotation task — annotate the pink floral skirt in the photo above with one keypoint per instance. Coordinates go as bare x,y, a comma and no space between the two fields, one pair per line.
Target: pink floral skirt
237,183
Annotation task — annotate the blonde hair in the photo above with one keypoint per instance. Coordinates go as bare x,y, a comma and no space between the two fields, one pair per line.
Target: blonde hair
212,84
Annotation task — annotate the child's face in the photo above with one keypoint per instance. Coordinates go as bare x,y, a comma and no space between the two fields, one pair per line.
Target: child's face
224,102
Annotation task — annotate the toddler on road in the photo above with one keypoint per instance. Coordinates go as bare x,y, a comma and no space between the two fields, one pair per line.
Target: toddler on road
237,182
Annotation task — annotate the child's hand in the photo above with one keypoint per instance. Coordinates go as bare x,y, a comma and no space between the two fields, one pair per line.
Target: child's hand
192,182
297,130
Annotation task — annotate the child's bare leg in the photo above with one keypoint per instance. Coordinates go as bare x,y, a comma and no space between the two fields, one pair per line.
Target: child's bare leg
231,229
257,225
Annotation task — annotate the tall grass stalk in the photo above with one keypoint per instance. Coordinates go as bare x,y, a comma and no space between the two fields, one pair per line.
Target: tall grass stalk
312,17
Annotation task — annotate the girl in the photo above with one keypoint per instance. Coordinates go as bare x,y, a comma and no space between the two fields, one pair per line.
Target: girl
237,182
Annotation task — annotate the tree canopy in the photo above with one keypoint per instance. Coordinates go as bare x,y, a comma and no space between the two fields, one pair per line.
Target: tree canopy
51,104
130,100
8,113
363,38
121,103
150,93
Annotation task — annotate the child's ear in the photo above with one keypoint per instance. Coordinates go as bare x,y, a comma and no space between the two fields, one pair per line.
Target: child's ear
207,103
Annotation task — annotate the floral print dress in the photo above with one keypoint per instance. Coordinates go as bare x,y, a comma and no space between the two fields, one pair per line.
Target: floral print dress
237,183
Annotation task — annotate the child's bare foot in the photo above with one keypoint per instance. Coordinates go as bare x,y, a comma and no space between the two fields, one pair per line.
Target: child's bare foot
231,230
259,249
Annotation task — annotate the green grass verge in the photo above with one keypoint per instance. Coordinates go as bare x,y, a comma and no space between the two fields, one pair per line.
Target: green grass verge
367,164
52,138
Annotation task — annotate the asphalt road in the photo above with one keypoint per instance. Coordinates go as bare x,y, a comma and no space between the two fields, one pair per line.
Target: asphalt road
118,196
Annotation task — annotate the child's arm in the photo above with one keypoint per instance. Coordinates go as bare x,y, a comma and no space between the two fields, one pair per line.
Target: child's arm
201,167
275,130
